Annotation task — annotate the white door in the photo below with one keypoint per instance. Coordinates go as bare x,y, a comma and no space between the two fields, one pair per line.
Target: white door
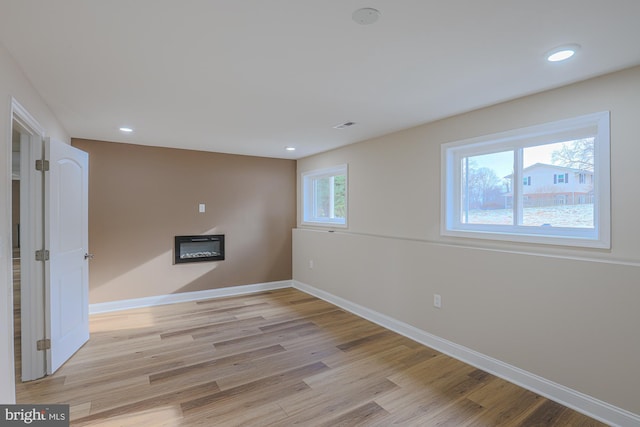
67,239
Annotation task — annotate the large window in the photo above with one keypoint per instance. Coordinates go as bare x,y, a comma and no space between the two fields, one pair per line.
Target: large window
324,196
542,184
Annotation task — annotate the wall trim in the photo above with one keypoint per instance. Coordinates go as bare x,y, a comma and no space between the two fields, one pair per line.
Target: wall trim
106,307
570,398
548,251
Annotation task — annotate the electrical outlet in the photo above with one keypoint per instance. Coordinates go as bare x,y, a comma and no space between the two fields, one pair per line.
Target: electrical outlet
437,301
311,264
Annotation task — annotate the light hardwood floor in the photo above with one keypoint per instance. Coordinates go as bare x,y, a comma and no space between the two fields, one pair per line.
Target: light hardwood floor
276,358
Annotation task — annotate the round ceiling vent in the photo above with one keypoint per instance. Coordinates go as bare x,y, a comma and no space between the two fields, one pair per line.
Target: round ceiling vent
366,15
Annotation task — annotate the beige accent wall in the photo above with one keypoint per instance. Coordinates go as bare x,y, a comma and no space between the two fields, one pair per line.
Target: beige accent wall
568,315
141,197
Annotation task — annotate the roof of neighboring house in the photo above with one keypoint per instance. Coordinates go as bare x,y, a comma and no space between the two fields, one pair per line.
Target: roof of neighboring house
557,167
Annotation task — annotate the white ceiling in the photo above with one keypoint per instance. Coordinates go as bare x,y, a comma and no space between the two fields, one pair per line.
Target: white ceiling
254,76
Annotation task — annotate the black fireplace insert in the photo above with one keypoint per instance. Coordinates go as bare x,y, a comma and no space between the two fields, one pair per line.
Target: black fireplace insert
199,248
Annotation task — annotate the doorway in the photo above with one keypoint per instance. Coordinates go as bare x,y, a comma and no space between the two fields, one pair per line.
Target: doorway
15,248
51,266
27,235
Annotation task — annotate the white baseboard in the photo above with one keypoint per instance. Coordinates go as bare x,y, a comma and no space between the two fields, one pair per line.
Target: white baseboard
105,307
580,402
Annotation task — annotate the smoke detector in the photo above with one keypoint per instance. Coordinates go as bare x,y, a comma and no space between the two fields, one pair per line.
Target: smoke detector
366,15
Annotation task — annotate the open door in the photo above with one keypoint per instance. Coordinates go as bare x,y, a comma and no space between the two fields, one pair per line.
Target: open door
67,239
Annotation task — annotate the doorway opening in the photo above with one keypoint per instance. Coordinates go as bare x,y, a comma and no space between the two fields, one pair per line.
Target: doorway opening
15,248
27,235
53,304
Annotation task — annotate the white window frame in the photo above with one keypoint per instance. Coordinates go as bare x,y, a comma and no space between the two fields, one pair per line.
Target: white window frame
309,200
590,125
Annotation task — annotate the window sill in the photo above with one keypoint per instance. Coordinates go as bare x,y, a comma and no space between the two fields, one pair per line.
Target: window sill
324,224
539,239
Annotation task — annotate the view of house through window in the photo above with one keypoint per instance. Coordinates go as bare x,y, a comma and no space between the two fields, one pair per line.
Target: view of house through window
547,183
557,186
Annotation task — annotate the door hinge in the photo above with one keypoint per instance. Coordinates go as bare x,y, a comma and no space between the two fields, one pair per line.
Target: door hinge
42,345
42,165
42,255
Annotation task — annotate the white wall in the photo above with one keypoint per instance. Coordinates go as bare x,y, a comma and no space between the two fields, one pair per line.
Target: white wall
13,83
568,315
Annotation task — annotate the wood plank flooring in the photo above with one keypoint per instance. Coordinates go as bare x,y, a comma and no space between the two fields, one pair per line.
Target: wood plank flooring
277,358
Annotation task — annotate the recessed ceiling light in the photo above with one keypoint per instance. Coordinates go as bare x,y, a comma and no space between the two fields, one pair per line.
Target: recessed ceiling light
562,53
366,15
126,129
290,148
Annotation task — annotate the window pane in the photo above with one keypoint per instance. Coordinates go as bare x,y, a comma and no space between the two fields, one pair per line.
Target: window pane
561,194
322,198
339,198
486,189
330,197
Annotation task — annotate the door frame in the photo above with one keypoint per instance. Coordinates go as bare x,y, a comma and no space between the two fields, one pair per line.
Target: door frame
31,239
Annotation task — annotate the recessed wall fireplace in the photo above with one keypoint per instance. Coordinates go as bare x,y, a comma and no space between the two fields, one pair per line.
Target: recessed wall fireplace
199,248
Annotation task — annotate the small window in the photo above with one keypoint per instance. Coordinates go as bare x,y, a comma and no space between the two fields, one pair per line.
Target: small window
324,197
516,185
562,178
